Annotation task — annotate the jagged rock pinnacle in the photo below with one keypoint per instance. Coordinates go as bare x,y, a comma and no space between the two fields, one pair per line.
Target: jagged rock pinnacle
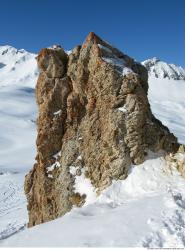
94,120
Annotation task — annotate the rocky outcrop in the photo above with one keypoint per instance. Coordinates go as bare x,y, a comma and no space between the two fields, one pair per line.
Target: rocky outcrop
94,119
177,160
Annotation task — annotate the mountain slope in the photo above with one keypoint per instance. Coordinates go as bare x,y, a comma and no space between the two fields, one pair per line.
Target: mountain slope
166,95
18,75
147,209
18,109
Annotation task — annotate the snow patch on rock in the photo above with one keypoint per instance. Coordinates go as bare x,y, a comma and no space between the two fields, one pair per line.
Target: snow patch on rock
83,186
112,59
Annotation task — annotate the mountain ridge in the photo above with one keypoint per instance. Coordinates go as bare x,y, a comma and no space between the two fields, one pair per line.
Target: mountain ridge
160,69
156,67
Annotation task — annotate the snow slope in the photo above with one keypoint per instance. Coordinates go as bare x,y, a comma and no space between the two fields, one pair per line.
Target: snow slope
166,94
167,100
17,108
18,74
147,209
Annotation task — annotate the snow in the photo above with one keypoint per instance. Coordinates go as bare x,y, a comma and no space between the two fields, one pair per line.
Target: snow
126,71
119,63
123,109
145,210
83,186
18,75
58,112
112,59
72,170
167,100
68,52
79,157
105,48
13,212
160,69
57,155
19,67
53,166
56,164
17,108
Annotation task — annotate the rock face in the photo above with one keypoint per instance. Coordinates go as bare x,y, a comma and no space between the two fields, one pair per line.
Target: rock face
94,118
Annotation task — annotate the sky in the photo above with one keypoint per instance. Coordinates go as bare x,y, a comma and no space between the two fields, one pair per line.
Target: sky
140,28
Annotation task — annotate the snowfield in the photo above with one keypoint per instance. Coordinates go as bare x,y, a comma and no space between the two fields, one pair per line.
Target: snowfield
18,75
145,210
167,100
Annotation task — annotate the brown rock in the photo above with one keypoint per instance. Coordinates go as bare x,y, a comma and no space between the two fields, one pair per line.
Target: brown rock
53,62
177,160
93,104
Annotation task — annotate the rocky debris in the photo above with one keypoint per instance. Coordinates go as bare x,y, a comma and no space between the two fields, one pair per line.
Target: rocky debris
177,160
94,115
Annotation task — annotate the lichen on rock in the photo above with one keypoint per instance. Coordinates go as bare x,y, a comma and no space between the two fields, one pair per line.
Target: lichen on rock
93,103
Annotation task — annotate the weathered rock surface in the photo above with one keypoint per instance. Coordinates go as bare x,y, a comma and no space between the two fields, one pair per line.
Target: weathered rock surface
94,115
177,160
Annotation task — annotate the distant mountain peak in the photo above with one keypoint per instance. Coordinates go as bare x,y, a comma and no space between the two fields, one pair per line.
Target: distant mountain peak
17,65
160,69
12,51
7,49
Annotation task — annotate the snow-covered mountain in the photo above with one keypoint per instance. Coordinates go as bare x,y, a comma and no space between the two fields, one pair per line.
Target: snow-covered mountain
147,209
17,67
160,69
